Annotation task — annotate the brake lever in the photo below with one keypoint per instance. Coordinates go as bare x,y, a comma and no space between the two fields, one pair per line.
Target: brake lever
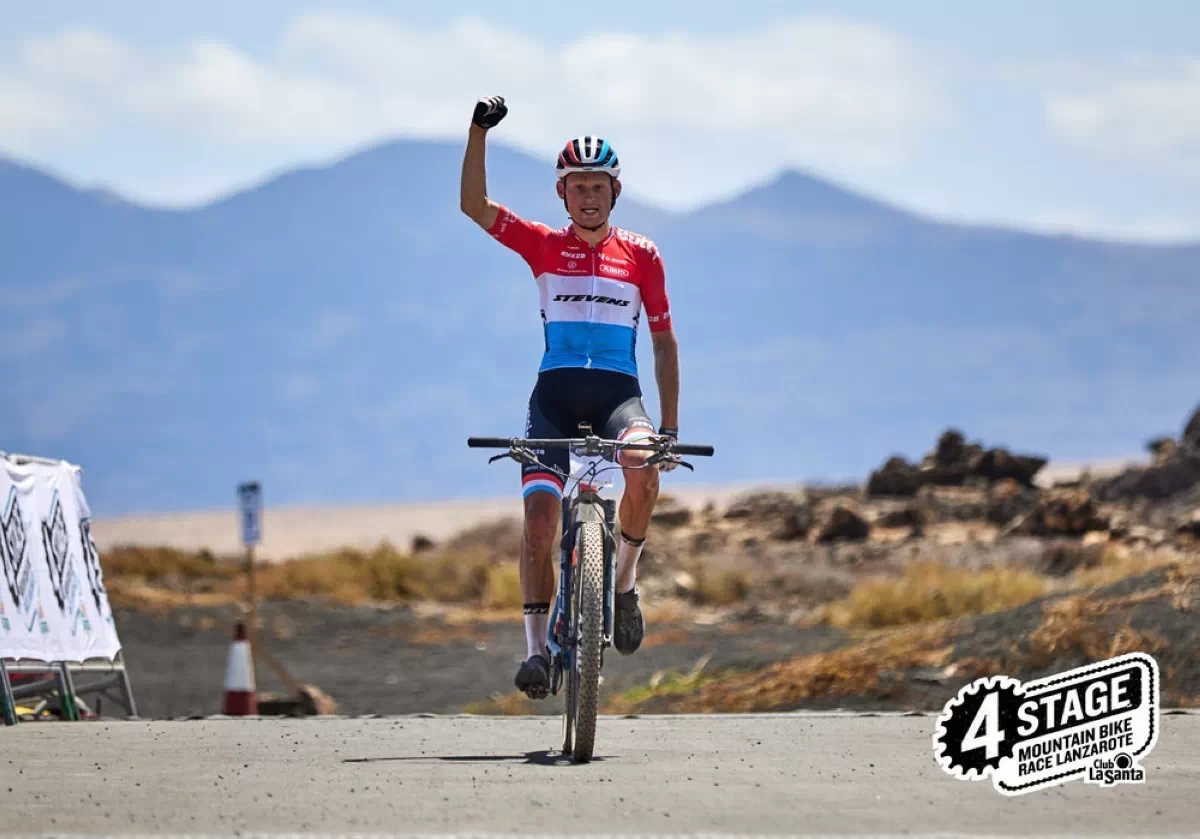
655,459
525,456
519,454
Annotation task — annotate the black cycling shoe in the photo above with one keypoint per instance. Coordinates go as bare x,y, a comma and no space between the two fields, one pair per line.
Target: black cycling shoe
629,629
534,677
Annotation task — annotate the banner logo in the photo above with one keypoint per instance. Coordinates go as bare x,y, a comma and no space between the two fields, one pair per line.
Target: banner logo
1092,723
17,572
58,556
56,543
91,563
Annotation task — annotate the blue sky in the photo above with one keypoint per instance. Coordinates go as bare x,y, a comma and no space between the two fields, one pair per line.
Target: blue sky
1082,117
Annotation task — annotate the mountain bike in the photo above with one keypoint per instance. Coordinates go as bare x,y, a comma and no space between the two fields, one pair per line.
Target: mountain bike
581,622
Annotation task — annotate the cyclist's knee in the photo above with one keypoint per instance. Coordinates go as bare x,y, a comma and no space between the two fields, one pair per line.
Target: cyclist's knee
634,459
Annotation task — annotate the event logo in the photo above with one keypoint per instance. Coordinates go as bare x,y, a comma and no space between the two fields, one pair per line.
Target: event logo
91,562
1093,722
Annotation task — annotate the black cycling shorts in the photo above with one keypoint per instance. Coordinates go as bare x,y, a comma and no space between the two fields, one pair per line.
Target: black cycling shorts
563,398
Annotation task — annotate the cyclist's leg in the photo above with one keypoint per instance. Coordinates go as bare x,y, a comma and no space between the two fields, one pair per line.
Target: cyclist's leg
542,491
628,421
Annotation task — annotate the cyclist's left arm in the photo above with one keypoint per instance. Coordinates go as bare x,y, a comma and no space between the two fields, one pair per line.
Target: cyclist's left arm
666,373
662,333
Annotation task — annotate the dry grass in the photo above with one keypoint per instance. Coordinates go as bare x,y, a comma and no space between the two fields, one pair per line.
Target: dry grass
862,670
1074,624
930,591
1119,563
159,577
164,564
663,685
719,586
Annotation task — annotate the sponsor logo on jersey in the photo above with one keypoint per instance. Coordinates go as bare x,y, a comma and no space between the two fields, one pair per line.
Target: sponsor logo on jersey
613,271
589,298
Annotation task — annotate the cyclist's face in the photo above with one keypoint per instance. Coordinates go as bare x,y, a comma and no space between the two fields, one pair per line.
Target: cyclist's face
589,196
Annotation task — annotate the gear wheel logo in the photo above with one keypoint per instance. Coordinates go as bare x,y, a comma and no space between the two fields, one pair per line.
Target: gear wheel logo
961,748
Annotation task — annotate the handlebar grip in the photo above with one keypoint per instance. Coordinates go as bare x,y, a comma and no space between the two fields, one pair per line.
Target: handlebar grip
489,442
698,451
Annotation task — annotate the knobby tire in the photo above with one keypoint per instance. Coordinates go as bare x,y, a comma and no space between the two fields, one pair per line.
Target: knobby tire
590,611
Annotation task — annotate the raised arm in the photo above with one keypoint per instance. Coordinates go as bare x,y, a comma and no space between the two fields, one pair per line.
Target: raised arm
473,198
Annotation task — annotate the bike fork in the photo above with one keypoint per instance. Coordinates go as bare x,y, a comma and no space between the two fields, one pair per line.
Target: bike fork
560,617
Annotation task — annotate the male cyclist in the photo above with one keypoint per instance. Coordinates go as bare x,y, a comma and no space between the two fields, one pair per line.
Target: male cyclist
593,280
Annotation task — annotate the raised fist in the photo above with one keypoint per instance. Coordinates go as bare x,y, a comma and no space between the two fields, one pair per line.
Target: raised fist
489,111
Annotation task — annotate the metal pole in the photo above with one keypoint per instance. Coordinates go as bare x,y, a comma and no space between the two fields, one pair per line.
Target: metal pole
6,697
67,691
130,706
253,605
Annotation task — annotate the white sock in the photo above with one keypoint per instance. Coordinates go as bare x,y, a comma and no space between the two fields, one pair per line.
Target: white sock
627,557
537,625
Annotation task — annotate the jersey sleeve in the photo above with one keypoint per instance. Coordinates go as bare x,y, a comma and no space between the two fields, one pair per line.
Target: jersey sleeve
654,291
524,237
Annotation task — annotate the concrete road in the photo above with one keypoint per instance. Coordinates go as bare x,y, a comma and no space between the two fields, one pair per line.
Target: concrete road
777,774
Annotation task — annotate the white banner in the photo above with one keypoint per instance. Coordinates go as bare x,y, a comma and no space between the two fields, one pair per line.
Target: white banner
53,606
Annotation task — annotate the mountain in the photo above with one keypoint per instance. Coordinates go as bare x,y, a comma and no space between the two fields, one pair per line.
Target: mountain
338,331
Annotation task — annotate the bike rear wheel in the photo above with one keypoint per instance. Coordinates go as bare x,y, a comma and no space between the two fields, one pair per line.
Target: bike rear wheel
589,594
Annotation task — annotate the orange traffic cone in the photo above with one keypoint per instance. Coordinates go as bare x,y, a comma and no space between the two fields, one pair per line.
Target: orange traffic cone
241,697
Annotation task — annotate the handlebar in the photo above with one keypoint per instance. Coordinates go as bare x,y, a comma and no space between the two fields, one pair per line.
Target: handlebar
564,443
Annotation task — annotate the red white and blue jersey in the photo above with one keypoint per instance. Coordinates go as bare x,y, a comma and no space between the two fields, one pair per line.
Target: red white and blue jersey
591,296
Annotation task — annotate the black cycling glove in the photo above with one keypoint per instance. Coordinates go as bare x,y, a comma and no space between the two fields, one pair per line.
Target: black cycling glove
489,111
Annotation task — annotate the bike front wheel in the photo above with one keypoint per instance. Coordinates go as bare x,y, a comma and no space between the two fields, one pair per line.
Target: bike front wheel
589,594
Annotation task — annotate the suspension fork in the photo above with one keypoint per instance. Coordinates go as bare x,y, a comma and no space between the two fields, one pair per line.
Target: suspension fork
560,620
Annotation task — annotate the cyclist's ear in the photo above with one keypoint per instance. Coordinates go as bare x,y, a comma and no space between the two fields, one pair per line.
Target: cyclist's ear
616,186
561,189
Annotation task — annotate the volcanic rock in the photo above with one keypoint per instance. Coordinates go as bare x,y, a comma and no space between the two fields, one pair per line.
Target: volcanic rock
841,523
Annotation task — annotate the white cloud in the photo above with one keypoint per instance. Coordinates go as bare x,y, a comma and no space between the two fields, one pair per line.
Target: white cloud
31,115
817,91
1146,114
80,59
